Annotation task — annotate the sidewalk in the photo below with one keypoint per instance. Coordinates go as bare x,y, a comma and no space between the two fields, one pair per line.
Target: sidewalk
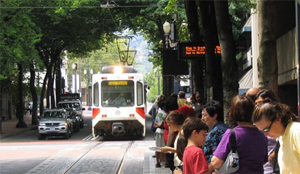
9,127
149,165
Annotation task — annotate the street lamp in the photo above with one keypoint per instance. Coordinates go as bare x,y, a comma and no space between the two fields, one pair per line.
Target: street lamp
167,30
74,67
88,85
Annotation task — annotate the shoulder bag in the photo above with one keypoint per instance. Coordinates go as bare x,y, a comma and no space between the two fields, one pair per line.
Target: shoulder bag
231,163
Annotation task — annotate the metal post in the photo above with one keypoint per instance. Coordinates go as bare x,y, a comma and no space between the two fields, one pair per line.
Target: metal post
88,88
158,84
75,91
167,40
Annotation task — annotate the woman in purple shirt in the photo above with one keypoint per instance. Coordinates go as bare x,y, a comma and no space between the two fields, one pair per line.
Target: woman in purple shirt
251,144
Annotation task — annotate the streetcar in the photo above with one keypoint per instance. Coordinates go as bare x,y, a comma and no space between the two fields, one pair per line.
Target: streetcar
119,102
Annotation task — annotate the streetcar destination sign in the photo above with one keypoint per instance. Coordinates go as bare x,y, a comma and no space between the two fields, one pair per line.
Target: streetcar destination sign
117,83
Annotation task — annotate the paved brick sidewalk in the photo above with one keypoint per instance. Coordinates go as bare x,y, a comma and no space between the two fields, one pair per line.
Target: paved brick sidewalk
9,127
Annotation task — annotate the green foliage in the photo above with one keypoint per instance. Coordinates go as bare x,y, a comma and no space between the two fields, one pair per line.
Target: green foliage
18,38
152,81
239,11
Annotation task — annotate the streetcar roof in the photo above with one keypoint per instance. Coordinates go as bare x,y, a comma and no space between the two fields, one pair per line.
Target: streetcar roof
112,69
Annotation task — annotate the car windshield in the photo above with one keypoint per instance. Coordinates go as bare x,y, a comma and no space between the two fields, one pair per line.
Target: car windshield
70,105
54,114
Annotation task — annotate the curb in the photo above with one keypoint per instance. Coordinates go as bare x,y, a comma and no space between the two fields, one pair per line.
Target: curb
3,136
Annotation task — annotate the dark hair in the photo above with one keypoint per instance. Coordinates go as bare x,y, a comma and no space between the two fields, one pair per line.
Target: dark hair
181,94
214,107
181,144
161,101
193,97
200,100
176,117
193,123
267,94
273,110
171,104
174,96
241,108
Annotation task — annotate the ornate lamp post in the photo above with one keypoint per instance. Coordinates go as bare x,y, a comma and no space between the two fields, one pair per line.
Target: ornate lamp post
167,29
170,37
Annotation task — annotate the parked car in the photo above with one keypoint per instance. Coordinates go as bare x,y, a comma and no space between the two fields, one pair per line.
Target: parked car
76,104
75,118
55,122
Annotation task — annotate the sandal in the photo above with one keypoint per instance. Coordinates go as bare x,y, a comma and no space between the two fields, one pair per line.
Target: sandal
157,165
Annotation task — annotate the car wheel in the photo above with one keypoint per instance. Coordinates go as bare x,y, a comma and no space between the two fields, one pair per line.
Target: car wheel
77,127
67,135
41,137
81,124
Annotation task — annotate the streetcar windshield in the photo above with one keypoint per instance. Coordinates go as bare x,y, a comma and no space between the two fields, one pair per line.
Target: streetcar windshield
117,93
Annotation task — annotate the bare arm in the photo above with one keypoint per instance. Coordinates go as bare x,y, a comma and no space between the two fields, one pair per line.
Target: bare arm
214,164
168,149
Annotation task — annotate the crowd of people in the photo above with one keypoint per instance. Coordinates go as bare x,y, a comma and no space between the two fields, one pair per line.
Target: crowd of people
194,139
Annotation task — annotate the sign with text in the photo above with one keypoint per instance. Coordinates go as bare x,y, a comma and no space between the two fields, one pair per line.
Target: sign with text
117,83
194,50
71,96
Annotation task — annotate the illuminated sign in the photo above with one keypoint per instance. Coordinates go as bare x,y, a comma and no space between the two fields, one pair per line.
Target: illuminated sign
116,83
194,50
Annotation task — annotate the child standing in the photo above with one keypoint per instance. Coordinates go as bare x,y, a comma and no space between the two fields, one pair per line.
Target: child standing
194,160
159,133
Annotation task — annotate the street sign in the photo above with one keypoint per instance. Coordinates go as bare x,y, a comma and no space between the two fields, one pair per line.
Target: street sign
194,50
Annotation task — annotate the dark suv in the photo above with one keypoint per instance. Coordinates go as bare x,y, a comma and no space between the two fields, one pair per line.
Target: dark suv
75,118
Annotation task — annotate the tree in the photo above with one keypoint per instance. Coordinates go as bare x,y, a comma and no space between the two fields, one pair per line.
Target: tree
267,60
18,38
213,73
191,8
76,26
228,63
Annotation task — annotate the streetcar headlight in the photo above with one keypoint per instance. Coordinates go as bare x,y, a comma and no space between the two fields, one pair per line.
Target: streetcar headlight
118,70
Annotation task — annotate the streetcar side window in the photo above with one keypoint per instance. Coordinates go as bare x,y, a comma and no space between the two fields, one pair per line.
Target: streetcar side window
139,91
96,94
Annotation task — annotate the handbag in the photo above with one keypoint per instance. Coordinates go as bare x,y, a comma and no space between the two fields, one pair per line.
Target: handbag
231,163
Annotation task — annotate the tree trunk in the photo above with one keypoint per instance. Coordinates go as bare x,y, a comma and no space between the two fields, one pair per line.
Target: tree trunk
34,120
48,87
213,74
58,79
197,66
43,93
267,60
53,105
20,108
228,62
